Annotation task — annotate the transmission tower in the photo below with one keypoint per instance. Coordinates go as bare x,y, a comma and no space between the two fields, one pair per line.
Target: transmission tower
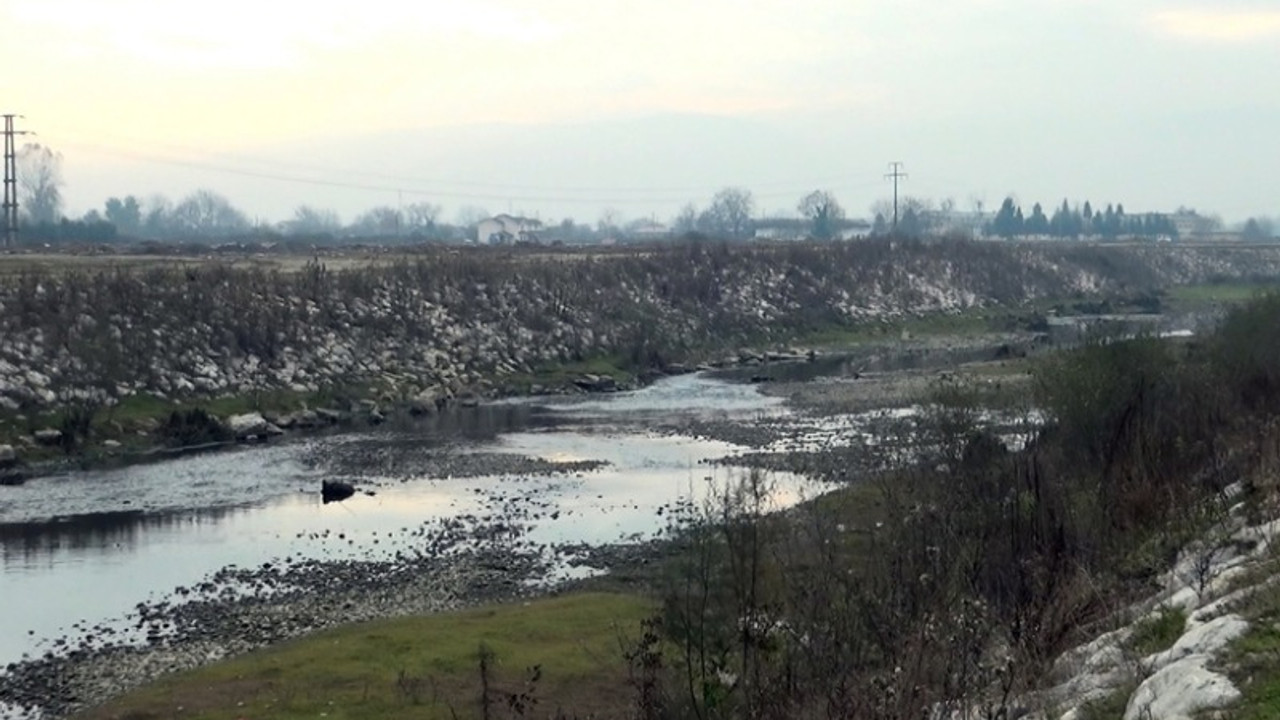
895,172
10,181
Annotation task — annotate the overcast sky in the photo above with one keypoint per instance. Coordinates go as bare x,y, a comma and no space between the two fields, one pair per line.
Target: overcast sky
556,107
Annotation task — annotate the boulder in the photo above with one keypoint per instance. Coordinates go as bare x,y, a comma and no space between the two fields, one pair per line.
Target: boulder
428,401
335,490
305,419
12,476
251,425
48,436
596,383
330,416
8,456
1180,691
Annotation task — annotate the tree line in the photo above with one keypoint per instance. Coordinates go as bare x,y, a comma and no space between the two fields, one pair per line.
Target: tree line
730,214
1075,222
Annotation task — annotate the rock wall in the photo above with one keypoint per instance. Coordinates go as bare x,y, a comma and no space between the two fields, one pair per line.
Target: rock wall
452,318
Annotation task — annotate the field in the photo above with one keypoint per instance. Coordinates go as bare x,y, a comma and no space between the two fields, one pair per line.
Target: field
420,667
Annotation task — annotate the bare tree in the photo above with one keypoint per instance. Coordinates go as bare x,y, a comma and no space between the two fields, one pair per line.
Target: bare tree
823,211
308,220
205,213
157,218
687,221
383,220
609,223
730,212
40,183
421,217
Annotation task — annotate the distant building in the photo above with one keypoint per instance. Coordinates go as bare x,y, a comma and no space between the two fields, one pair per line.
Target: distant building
781,229
648,230
1190,225
507,230
793,229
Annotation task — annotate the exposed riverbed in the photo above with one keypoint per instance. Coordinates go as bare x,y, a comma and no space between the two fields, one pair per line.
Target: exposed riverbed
139,565
118,576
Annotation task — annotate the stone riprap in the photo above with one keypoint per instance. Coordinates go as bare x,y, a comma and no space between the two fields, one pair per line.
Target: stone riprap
441,325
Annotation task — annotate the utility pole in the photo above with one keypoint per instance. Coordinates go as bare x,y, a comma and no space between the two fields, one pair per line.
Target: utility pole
895,172
10,182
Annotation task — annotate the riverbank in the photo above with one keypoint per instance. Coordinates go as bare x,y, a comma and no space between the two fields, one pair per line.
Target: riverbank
333,589
131,344
492,552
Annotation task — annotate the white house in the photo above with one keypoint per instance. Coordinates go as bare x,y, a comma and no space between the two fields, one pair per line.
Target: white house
507,230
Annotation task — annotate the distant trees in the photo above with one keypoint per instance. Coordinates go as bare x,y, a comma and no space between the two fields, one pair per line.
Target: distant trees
686,221
916,216
729,214
420,218
1257,229
125,214
205,213
610,222
312,221
1073,222
39,183
823,212
380,221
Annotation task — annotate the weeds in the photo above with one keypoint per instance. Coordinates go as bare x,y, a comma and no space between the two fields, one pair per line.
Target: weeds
987,560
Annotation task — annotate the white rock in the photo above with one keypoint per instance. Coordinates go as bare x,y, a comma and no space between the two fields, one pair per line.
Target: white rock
1179,690
251,424
47,436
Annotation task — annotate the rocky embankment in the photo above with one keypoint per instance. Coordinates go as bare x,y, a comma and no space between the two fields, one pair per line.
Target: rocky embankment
449,324
1208,602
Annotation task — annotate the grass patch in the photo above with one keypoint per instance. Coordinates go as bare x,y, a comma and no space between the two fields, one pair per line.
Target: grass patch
1110,707
1158,632
421,667
561,374
134,420
1254,660
1255,667
1219,292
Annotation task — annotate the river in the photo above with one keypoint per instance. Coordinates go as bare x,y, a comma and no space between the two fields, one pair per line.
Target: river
81,550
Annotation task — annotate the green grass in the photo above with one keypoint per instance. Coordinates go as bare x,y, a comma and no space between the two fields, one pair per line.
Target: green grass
561,374
140,413
1109,708
1158,632
420,667
1254,660
1219,292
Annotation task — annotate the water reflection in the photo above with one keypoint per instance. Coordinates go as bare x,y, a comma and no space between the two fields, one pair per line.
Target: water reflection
89,546
473,424
42,543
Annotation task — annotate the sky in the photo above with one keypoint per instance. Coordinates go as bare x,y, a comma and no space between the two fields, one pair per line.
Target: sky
560,108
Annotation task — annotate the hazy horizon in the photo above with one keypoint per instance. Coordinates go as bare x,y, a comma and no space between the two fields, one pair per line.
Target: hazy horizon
567,109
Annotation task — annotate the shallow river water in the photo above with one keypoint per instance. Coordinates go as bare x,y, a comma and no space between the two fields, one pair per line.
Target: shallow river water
83,549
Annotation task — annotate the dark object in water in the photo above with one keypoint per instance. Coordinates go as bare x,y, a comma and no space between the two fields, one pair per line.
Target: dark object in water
335,491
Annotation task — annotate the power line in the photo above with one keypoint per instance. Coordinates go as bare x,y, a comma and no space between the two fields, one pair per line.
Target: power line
457,188
558,194
895,173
